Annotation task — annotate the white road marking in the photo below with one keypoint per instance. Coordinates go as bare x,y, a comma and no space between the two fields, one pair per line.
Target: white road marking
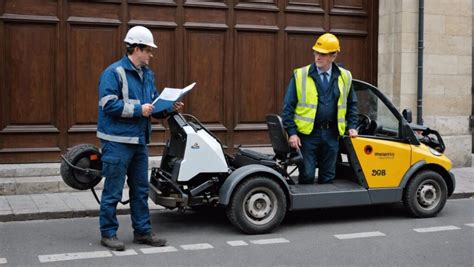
269,241
158,250
237,243
469,224
3,261
360,235
74,256
127,252
197,246
436,229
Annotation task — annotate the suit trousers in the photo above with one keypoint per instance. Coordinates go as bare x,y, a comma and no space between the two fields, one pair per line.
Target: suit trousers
319,150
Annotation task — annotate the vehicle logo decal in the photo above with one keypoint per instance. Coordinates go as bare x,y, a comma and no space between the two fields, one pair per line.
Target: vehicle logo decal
384,155
195,146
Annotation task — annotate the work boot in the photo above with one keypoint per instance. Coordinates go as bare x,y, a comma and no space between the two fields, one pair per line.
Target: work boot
112,243
149,239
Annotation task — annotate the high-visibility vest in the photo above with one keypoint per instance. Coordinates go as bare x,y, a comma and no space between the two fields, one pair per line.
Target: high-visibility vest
306,90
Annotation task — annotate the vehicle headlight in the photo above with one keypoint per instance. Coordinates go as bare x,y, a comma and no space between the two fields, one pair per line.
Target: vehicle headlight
435,152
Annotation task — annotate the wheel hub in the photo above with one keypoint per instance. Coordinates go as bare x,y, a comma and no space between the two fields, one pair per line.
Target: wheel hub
427,195
259,205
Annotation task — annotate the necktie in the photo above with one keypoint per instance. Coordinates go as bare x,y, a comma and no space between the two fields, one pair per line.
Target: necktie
325,80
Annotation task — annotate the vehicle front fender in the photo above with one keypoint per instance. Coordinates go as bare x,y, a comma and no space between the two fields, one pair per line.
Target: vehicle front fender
409,173
447,175
225,192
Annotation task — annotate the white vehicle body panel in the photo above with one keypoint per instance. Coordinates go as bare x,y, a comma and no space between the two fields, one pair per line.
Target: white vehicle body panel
203,154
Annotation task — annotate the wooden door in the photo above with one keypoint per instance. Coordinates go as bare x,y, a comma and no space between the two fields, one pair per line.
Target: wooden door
240,53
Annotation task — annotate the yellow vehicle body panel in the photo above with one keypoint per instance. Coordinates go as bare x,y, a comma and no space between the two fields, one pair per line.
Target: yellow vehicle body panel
422,152
383,162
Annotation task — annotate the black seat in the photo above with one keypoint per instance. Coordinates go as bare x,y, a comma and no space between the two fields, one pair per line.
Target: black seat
279,140
246,156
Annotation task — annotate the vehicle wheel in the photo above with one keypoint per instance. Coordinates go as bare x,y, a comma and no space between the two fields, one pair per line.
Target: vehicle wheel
425,194
257,206
80,156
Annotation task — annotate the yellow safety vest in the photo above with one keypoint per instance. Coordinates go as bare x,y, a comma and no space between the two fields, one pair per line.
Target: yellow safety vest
307,105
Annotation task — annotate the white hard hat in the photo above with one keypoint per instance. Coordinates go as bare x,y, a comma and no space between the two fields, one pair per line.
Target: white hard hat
140,35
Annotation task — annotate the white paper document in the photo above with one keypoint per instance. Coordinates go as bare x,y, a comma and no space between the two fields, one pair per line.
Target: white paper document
169,96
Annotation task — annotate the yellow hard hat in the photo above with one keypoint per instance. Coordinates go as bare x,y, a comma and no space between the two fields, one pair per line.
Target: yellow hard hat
327,43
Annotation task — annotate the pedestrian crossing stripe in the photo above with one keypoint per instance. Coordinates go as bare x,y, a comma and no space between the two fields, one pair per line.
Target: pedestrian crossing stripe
436,229
359,235
269,241
237,243
74,256
158,250
128,252
197,246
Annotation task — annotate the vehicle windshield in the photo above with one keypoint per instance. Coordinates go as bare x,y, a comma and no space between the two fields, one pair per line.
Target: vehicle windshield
375,118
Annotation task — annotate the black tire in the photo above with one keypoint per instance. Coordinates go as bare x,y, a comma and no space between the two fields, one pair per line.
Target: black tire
79,156
257,206
425,195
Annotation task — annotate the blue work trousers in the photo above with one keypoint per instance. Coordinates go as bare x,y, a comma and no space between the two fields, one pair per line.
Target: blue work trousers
319,149
120,160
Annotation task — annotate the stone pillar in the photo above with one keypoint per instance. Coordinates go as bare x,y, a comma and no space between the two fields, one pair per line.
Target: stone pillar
447,74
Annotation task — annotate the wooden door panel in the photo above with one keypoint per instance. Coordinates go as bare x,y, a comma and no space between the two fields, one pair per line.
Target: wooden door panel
255,76
299,52
103,9
205,66
30,82
256,18
155,14
352,54
349,4
163,63
83,76
200,15
31,7
315,5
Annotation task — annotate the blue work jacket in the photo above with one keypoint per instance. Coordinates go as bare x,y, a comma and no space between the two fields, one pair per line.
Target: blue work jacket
122,92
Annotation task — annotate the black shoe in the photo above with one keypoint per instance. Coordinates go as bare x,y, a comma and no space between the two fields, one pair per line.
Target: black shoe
112,243
149,239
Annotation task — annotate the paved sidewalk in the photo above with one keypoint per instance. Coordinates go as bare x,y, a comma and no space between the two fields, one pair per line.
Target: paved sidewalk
56,205
83,203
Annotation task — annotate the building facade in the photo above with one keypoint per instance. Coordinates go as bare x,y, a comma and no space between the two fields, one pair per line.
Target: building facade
241,53
447,67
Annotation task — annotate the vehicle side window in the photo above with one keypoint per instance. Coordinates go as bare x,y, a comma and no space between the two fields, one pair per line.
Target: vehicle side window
383,122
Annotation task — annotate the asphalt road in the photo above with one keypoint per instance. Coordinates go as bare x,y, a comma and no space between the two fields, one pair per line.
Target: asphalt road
359,236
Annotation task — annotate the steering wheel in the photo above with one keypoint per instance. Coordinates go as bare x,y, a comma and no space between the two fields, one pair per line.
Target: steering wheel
363,123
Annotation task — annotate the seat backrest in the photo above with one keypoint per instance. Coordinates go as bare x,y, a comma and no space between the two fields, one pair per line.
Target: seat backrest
278,136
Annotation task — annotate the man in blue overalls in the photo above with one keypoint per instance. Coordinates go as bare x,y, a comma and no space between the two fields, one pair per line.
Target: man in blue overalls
126,91
319,101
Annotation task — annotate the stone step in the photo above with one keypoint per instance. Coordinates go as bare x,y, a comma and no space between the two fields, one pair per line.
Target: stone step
45,169
29,170
41,178
36,185
24,179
